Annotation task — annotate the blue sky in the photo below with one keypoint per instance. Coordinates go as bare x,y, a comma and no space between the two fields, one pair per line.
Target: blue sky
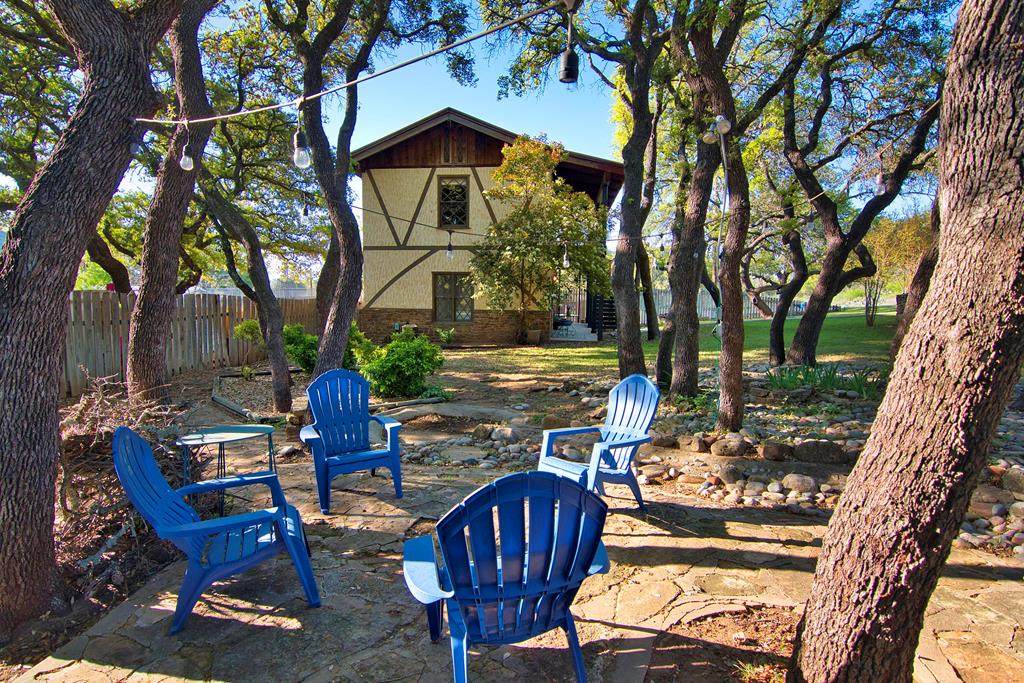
578,116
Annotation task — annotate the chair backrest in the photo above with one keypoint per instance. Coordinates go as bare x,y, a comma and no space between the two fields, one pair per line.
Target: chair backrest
340,401
149,492
516,551
632,404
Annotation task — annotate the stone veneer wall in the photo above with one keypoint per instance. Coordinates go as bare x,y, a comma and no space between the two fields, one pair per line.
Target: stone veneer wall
487,327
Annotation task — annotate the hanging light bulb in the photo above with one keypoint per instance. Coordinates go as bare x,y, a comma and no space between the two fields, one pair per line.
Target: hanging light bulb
185,161
722,124
710,137
879,184
301,156
565,256
569,66
450,251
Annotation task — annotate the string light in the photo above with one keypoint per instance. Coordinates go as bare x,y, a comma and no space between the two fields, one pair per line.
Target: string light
565,256
569,65
450,251
568,5
301,156
185,161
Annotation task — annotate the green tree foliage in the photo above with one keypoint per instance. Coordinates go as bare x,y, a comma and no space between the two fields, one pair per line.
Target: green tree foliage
521,262
897,244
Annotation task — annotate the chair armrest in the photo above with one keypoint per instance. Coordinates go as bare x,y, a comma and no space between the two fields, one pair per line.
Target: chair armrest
391,427
308,434
210,527
419,566
602,448
548,440
269,479
601,564
637,440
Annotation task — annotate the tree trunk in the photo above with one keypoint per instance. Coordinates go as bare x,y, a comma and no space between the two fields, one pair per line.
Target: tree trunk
56,217
100,254
687,268
267,306
919,284
894,526
332,175
666,347
327,282
787,293
643,266
730,363
154,307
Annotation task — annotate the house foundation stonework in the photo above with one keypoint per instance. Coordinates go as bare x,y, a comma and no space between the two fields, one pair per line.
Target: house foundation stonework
486,328
425,211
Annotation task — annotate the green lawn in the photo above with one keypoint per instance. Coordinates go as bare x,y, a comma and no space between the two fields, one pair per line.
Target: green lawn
844,337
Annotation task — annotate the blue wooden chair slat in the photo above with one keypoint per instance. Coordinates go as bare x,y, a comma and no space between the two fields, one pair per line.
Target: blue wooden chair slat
632,405
340,434
215,548
509,581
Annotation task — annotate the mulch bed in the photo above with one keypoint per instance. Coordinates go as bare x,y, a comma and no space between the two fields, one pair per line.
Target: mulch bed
257,394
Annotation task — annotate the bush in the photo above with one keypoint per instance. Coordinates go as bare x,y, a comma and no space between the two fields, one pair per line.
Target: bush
434,391
300,347
446,336
400,368
359,348
249,331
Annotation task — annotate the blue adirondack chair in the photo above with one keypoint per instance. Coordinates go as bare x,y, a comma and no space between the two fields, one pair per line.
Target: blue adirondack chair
216,548
516,579
632,404
340,434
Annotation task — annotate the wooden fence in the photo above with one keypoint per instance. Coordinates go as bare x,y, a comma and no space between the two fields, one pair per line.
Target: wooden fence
201,337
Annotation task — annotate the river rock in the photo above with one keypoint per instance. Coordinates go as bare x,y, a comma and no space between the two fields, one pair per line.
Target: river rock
553,422
733,448
730,474
664,441
820,451
777,452
504,434
694,444
800,482
482,432
1013,480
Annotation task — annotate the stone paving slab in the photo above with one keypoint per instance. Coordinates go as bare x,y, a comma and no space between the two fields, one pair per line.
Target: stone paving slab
681,562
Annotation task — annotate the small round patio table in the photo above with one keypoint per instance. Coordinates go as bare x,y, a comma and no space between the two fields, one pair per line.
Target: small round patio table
219,436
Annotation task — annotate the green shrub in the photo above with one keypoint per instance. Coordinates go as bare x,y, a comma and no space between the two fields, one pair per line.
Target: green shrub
400,368
446,336
249,331
434,391
359,348
300,347
248,374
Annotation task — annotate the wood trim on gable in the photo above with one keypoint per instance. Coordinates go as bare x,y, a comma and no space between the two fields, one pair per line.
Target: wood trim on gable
383,207
487,202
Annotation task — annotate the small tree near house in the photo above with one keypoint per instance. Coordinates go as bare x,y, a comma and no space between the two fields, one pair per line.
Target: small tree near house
551,235
896,246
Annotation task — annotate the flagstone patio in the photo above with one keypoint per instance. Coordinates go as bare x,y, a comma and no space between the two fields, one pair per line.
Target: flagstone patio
681,563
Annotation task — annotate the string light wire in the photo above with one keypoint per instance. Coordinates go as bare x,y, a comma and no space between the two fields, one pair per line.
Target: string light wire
297,103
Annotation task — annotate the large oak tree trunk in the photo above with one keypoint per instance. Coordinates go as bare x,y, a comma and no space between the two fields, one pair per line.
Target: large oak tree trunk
643,266
730,362
686,269
267,305
38,264
894,526
787,293
154,307
918,284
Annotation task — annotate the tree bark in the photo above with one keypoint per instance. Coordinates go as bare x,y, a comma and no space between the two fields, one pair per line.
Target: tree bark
267,306
666,347
787,293
100,254
919,284
894,526
56,217
154,307
687,267
643,266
